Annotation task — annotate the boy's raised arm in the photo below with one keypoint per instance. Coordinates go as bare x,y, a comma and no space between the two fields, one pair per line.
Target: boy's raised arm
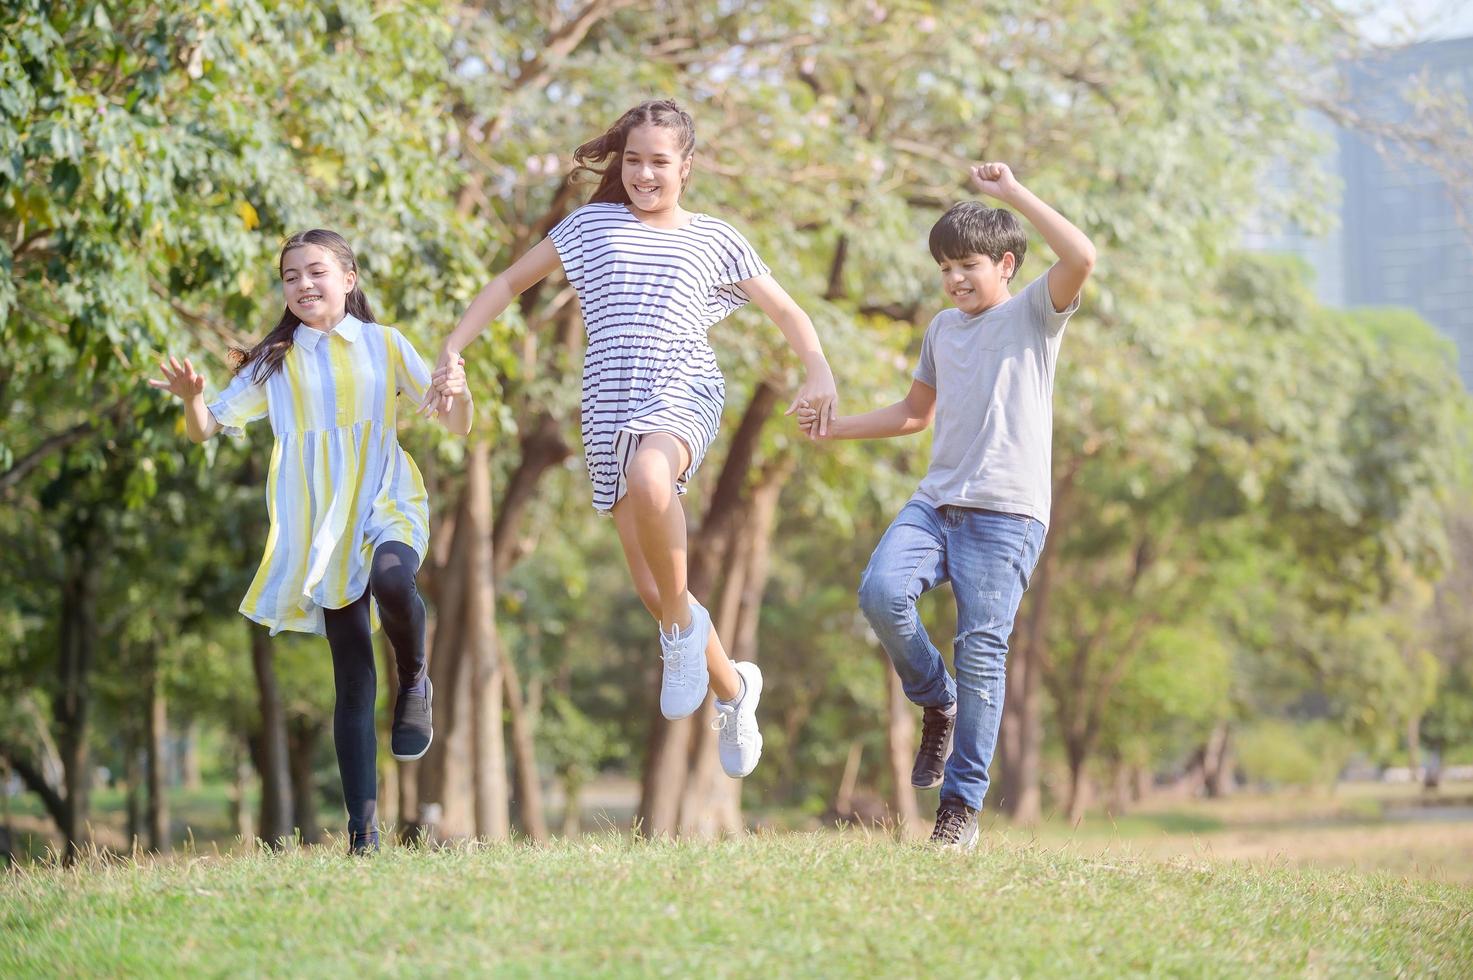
1075,251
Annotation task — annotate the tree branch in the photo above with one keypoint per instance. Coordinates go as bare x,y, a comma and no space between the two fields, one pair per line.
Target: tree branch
36,783
563,40
54,443
214,330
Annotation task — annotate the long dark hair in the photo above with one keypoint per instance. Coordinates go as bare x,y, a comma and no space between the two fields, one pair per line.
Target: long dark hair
610,146
267,355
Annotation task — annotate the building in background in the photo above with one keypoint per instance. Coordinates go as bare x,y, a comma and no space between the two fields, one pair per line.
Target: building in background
1399,240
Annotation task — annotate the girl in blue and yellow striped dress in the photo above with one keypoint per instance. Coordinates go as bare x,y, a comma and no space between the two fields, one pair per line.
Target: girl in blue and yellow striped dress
348,508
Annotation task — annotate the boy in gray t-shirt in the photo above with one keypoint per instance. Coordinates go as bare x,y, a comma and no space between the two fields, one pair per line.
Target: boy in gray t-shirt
978,519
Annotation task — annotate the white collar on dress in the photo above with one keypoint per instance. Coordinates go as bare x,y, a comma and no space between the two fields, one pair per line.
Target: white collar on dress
350,328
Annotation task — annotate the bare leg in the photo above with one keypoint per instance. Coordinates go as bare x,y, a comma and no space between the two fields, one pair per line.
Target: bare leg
651,525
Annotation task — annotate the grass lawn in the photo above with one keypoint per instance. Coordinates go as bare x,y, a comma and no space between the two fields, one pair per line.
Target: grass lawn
771,904
1358,827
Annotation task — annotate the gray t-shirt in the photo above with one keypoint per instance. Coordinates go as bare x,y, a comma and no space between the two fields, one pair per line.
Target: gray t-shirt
994,380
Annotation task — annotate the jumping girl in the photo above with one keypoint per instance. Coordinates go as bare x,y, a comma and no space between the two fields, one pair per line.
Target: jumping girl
348,509
652,278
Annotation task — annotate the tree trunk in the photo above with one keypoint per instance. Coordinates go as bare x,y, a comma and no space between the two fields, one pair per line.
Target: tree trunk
572,808
303,736
761,524
443,779
406,774
1121,786
7,832
492,805
1076,751
1217,762
710,805
133,792
158,802
388,768
1142,788
900,739
667,762
1020,748
1414,744
240,810
72,709
273,763
38,766
524,753
542,447
189,761
668,751
844,797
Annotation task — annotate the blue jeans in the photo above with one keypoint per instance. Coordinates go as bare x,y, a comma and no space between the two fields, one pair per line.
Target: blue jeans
988,558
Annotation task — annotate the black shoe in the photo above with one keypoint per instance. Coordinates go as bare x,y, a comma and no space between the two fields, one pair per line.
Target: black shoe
414,727
956,826
360,844
936,728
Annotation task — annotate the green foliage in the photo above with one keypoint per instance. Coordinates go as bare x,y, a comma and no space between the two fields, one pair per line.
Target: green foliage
1281,753
1252,490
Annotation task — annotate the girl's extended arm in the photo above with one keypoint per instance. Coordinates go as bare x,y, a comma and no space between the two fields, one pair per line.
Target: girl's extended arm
189,385
489,304
818,389
911,414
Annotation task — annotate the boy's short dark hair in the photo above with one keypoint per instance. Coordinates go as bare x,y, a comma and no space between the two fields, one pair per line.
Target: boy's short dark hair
972,228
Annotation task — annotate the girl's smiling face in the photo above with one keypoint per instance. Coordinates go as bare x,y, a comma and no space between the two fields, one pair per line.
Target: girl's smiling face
316,285
653,169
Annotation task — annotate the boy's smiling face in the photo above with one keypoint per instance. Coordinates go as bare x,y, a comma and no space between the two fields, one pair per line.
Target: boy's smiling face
974,282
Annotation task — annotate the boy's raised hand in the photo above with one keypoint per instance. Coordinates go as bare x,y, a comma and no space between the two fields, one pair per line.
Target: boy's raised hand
994,180
179,379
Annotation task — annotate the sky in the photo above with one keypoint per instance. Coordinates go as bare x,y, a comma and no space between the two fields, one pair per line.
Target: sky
1390,21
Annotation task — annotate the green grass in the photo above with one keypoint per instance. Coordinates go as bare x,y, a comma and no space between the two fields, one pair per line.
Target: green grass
779,905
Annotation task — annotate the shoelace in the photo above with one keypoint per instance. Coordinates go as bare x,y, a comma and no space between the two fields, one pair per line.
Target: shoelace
671,647
933,732
729,724
949,824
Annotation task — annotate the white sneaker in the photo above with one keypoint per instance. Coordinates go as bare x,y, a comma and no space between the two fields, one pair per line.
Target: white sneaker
740,744
684,678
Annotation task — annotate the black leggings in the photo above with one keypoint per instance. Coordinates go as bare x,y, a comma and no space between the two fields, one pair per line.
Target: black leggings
402,612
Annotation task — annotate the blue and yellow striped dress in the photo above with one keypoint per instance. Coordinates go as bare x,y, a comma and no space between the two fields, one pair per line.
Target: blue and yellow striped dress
339,483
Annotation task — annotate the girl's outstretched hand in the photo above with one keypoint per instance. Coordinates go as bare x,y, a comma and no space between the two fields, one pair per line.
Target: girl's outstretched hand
179,379
819,396
439,395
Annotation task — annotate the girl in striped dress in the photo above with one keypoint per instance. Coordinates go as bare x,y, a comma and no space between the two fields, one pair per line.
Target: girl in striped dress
348,509
651,279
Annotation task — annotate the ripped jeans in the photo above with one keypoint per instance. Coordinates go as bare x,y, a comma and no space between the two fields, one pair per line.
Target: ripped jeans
988,558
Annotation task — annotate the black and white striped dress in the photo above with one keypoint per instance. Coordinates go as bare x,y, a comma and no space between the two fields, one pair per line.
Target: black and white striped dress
648,297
